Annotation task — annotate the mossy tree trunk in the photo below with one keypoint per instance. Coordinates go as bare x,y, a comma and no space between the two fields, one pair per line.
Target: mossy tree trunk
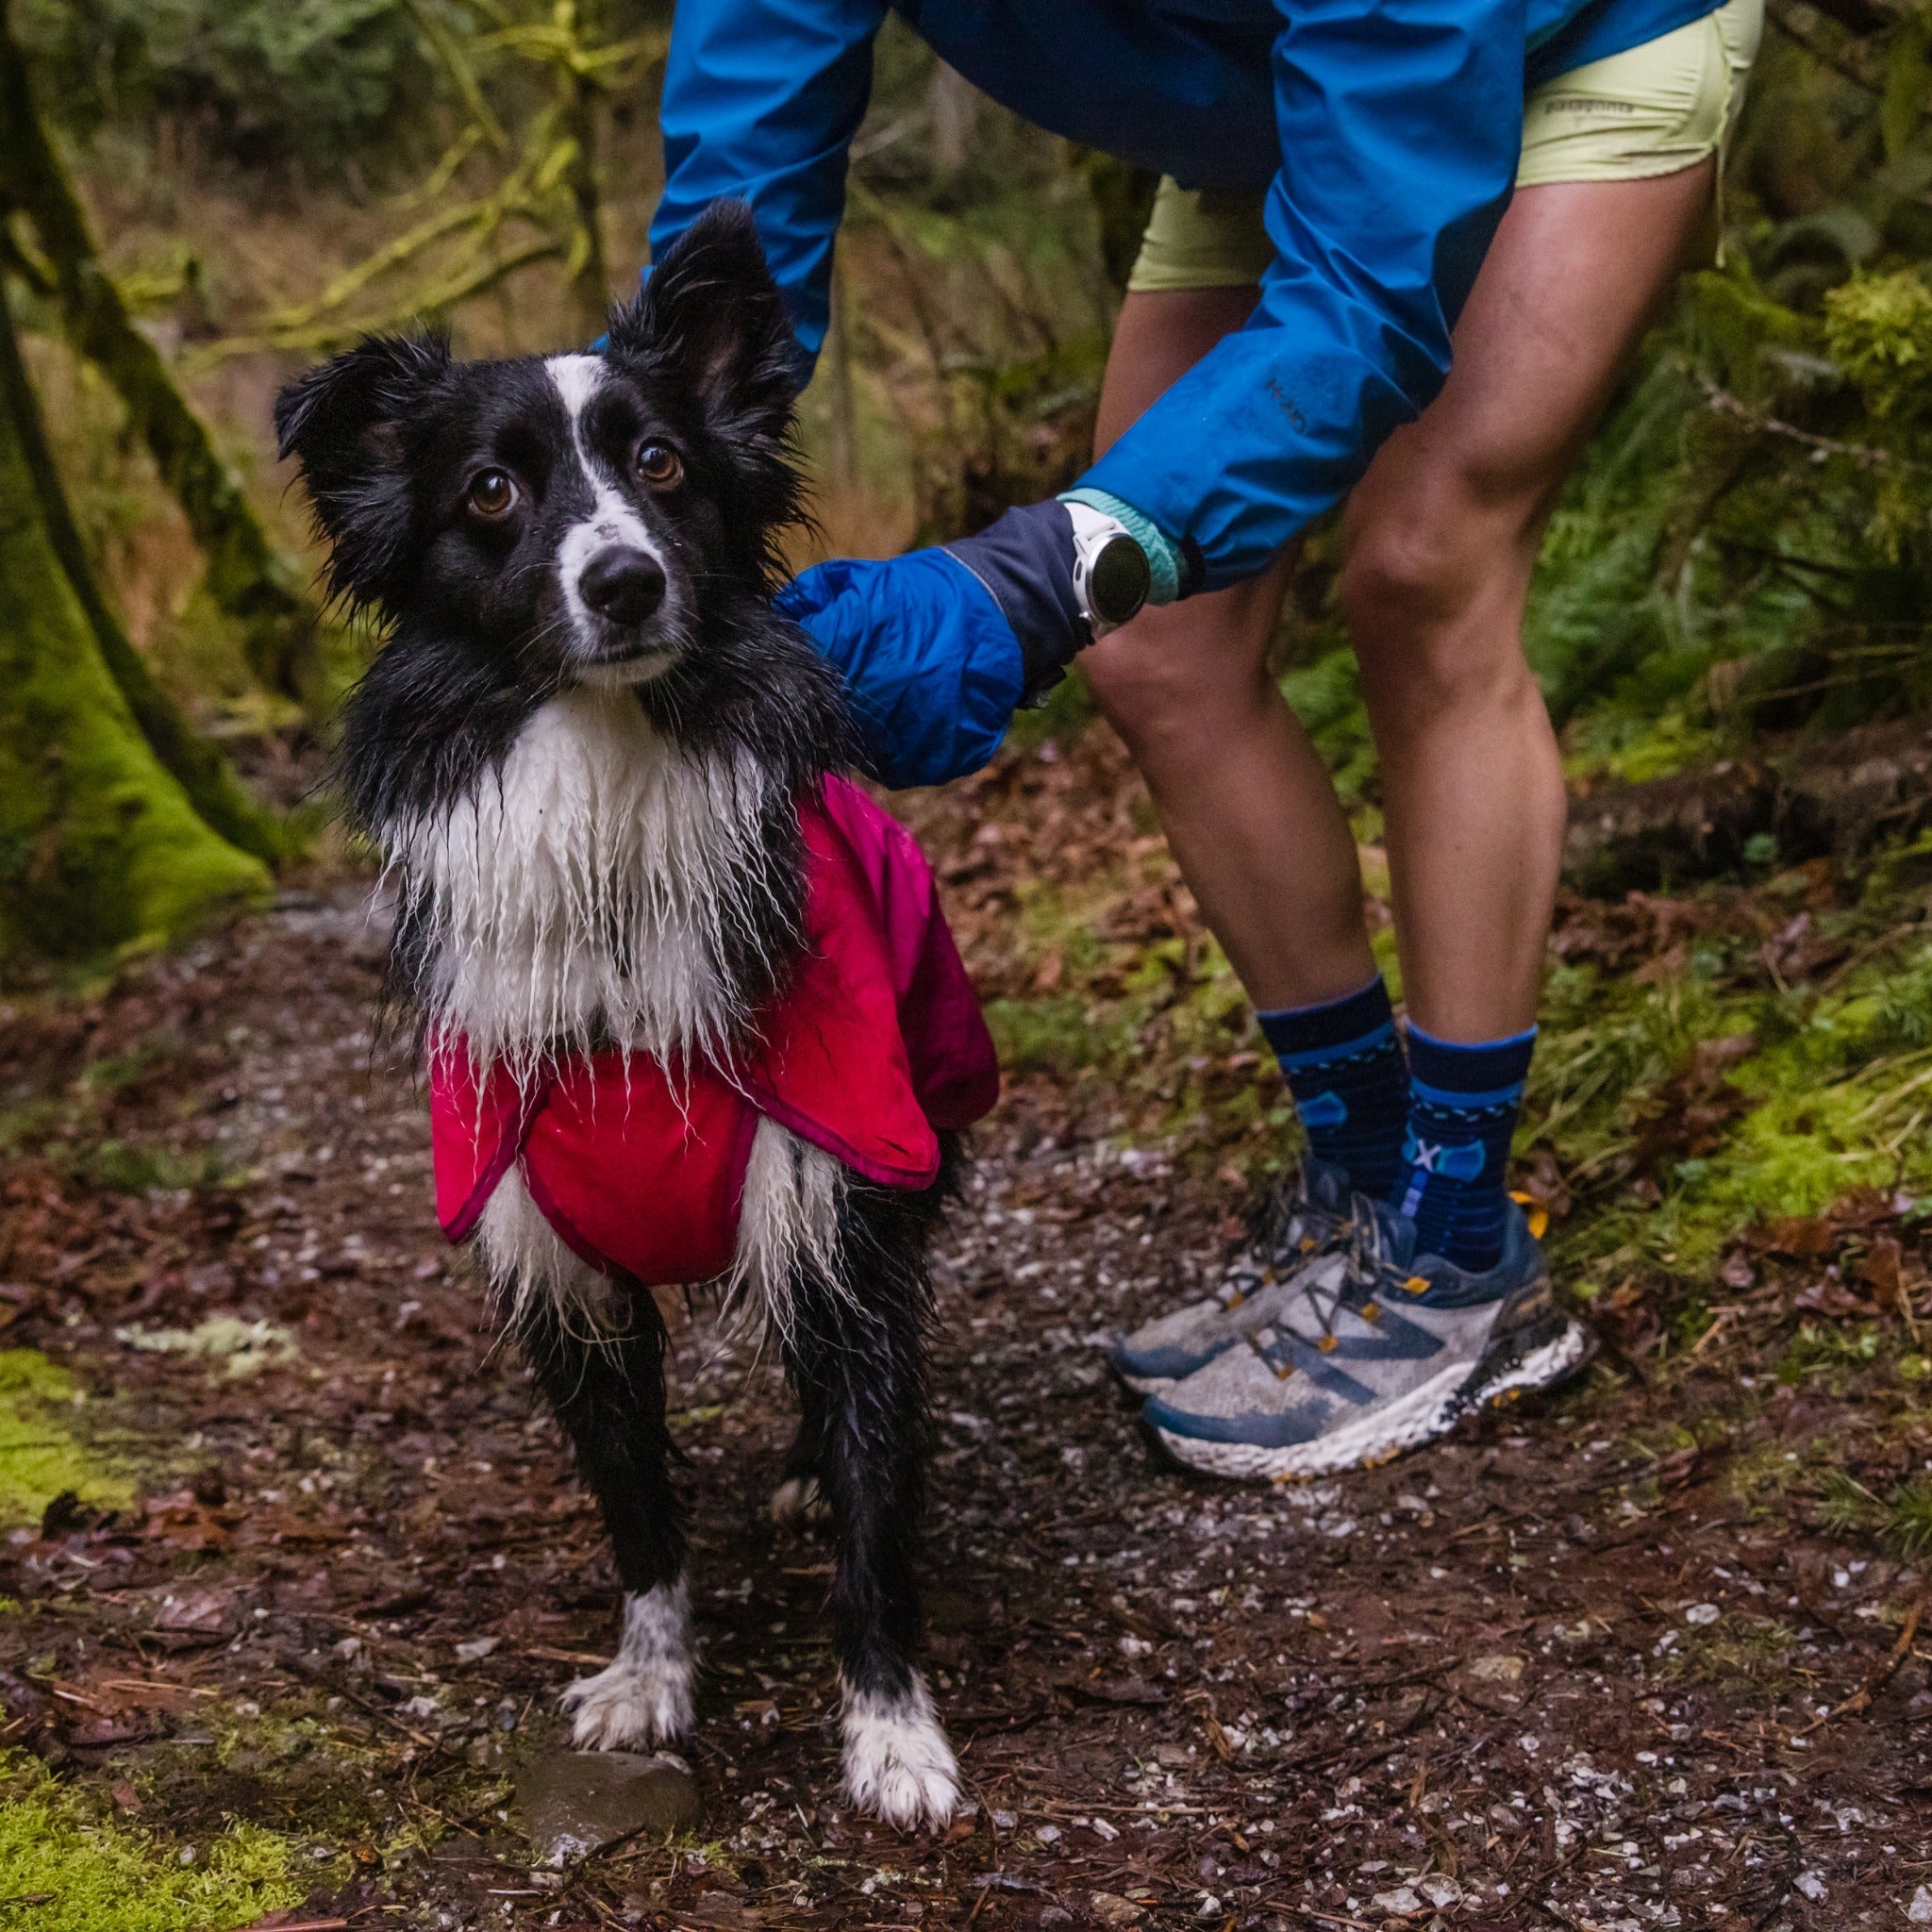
195,763
100,847
247,575
578,99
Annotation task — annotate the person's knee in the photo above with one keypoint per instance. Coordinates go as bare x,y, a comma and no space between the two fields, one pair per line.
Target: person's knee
1434,607
1405,573
1168,680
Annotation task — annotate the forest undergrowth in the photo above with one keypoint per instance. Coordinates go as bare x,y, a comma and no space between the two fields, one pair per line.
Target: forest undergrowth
1645,1653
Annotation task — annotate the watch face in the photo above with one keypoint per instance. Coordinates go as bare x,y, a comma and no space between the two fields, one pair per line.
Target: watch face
1120,580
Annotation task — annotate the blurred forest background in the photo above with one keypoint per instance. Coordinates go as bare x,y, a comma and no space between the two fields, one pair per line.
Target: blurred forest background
1730,620
227,189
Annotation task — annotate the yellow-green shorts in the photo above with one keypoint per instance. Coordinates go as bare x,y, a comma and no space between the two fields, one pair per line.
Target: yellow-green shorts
1649,111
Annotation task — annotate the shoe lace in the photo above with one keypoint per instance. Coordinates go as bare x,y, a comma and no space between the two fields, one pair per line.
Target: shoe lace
1325,1294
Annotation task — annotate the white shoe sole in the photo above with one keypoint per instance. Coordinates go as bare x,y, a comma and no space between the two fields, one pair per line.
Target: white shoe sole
1145,1385
1421,1415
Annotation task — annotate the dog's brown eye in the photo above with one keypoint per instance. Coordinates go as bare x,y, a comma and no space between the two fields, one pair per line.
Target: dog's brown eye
493,494
657,463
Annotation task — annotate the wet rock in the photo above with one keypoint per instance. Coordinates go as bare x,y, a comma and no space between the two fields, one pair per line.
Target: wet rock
573,1802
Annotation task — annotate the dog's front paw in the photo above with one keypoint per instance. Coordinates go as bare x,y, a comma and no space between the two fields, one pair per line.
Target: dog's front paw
628,1703
898,1766
643,1696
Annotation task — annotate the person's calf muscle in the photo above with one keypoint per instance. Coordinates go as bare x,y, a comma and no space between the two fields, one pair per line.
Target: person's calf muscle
1475,846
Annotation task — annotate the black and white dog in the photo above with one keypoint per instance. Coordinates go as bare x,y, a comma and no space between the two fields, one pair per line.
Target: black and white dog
582,748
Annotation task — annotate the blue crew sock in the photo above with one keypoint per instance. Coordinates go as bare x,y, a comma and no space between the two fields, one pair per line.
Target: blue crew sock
1345,1067
1462,1106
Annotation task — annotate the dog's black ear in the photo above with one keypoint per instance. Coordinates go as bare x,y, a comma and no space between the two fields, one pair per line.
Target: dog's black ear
711,316
339,421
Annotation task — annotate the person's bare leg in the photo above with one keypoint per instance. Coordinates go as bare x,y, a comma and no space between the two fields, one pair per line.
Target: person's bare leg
1245,800
1439,541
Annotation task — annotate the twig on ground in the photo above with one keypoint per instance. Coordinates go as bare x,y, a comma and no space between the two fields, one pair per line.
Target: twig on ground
1285,1905
363,1705
1860,1699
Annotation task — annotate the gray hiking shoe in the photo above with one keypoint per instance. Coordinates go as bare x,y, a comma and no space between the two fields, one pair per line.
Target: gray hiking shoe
1372,1355
1299,1224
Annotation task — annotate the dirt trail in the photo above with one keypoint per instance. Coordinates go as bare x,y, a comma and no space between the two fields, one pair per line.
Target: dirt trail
1541,1676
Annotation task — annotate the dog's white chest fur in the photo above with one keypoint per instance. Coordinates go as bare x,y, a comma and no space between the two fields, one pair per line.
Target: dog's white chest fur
584,886
584,891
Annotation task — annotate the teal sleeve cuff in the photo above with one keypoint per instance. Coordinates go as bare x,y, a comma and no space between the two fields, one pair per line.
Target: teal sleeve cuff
1163,557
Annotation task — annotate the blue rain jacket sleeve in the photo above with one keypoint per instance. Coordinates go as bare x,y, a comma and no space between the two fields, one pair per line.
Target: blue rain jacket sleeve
1396,124
1400,126
761,100
931,664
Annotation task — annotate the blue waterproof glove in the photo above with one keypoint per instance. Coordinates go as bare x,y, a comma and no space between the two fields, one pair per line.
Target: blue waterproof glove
940,647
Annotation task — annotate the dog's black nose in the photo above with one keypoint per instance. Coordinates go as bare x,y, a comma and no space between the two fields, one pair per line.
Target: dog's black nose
622,584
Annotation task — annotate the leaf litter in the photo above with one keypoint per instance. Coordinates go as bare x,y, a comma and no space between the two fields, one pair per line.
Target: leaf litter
1595,1661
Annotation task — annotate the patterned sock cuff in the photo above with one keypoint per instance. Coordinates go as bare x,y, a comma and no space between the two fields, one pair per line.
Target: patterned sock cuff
1449,1073
1302,1035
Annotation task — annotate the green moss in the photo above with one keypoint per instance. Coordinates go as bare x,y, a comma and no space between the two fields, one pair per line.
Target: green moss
1044,1036
1738,1654
85,1874
1833,1092
1878,329
100,849
122,1168
1629,749
41,1453
1765,1475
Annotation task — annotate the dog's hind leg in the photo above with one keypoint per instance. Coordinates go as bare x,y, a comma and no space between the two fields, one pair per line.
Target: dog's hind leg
856,1351
798,1497
607,1386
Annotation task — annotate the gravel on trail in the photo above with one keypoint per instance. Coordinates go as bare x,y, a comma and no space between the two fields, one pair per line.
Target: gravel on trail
1546,1673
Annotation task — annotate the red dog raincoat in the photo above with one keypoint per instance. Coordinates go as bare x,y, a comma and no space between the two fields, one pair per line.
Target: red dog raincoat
876,1044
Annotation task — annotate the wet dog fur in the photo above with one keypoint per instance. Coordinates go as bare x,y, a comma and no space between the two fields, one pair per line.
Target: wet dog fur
581,747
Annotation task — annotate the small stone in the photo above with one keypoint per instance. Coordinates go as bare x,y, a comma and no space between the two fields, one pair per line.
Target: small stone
1402,1902
204,1613
1701,1614
573,1802
1919,1911
1812,1885
1441,1891
1110,1908
477,1649
1496,1669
